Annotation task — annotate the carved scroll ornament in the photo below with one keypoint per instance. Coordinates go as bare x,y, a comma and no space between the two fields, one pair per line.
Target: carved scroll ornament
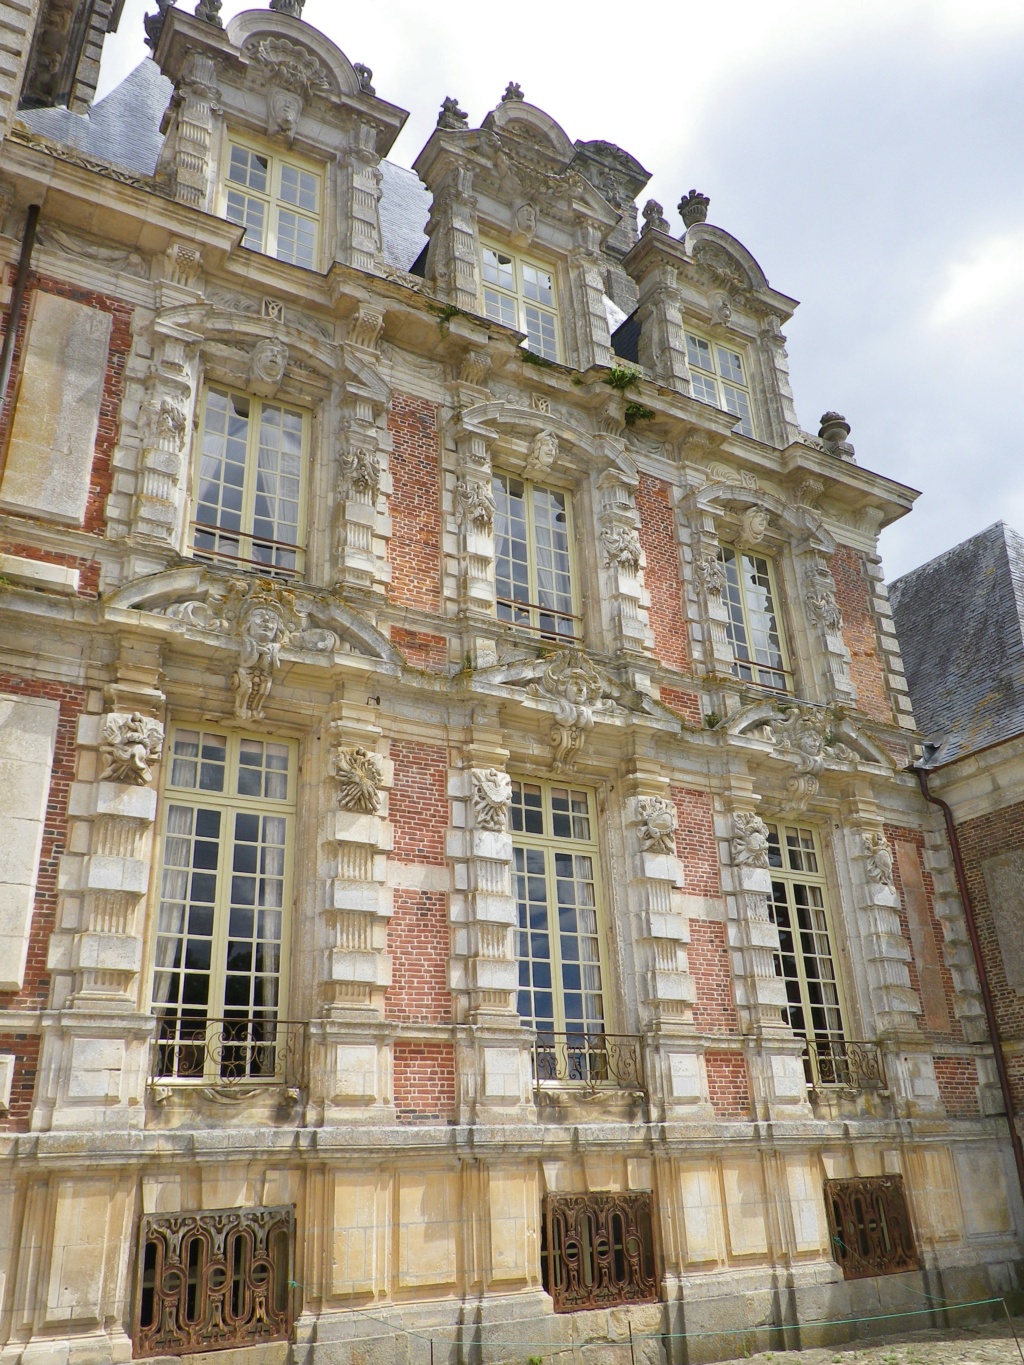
130,744
492,792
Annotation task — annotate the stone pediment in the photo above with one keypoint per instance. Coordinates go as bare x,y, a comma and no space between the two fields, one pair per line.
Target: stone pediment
809,739
570,685
219,604
547,434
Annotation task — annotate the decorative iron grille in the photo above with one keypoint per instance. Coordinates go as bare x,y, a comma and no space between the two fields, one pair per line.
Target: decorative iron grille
593,1060
870,1226
598,1250
246,1050
209,1281
838,1062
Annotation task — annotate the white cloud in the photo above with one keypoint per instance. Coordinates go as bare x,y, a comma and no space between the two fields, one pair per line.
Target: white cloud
983,284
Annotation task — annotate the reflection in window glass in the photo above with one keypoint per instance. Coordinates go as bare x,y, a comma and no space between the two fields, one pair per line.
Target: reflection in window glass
753,624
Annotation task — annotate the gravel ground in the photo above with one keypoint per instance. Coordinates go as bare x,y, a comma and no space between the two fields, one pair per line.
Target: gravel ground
986,1343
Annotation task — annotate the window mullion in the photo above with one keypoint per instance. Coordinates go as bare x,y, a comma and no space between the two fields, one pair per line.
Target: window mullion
555,938
252,449
531,578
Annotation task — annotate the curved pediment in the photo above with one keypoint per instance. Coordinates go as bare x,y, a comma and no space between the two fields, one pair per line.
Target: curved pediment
825,734
548,433
253,27
516,118
218,603
722,255
798,521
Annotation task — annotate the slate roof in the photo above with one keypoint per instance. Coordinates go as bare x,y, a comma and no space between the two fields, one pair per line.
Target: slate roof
960,622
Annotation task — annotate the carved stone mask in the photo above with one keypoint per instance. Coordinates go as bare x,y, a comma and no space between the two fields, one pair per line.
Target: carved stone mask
285,109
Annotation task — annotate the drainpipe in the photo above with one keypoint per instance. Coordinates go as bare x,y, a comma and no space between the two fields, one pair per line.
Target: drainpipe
979,962
14,316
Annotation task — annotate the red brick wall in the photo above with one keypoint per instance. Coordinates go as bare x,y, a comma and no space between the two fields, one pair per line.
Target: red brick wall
424,1082
913,836
419,802
89,569
987,836
419,938
958,1086
695,842
35,993
686,703
421,650
415,546
728,1085
661,576
113,384
853,594
714,1009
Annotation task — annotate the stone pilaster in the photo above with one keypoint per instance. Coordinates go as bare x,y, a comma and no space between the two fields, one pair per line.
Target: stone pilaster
705,578
653,264
956,948
469,539
196,97
350,1061
586,272
494,1055
165,425
359,242
362,520
95,1042
773,361
825,623
453,257
889,645
895,1006
622,563
774,1055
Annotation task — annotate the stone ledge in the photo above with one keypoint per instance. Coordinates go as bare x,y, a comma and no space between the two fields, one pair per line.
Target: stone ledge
34,573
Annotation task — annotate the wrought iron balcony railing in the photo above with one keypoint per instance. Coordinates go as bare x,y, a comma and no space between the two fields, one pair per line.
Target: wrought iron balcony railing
841,1064
592,1061
240,1051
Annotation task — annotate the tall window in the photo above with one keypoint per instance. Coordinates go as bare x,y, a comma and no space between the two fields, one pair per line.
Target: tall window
249,493
718,376
554,836
521,294
224,897
804,960
532,557
755,631
277,201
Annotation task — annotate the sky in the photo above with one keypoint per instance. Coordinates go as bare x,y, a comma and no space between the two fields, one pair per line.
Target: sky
867,152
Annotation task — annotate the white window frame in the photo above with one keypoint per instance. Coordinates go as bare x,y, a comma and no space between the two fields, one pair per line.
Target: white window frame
802,878
713,377
507,299
762,671
548,845
212,540
272,198
531,614
193,1046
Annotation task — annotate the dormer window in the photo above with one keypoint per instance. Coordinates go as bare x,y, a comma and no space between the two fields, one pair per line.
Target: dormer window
520,293
278,200
718,375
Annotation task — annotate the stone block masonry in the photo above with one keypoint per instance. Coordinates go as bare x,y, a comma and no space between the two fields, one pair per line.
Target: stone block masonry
415,546
89,500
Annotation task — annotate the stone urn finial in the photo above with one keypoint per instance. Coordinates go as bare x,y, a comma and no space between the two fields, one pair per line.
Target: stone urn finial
834,431
654,218
693,208
512,92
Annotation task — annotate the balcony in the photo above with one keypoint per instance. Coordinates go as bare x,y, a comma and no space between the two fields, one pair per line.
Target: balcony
590,1063
229,1055
844,1065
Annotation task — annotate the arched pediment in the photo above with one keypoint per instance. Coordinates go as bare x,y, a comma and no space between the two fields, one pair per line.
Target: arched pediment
817,736
799,522
596,450
246,30
198,597
516,118
723,254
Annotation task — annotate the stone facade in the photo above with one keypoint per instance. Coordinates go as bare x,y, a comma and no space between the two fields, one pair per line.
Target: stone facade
711,724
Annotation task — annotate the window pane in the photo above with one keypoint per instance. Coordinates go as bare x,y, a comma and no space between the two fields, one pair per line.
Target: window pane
540,333
296,239
299,188
705,390
736,402
730,365
249,169
221,474
248,213
536,999
498,269
500,308
537,285
698,352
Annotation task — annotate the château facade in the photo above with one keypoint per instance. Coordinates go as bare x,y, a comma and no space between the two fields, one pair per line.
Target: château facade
462,885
